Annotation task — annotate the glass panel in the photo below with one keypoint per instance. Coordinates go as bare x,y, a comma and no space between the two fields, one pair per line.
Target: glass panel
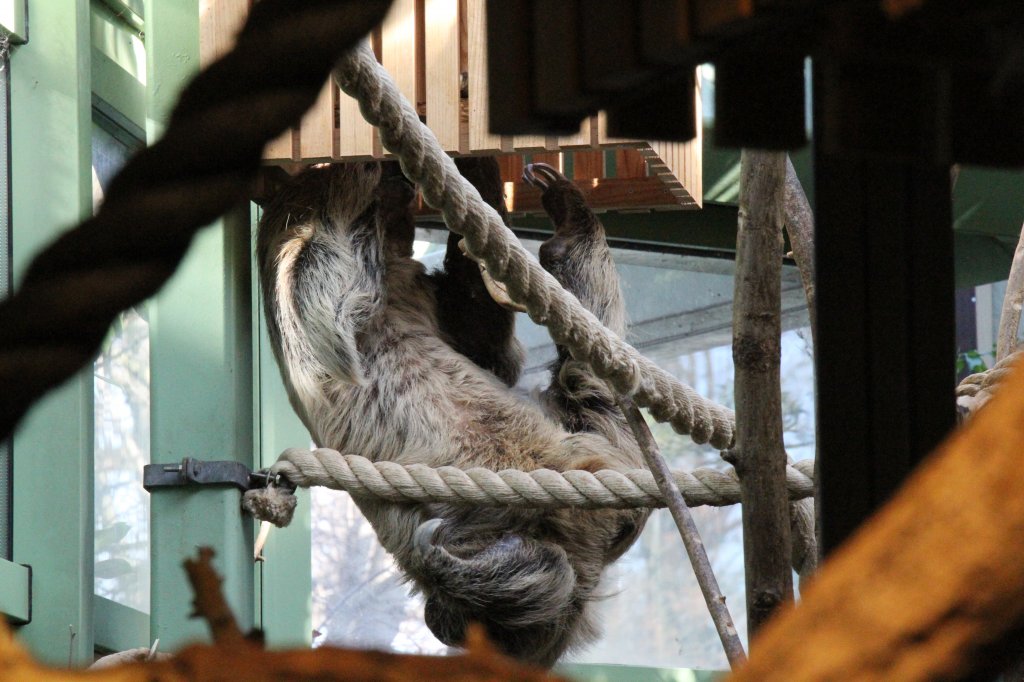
121,427
653,615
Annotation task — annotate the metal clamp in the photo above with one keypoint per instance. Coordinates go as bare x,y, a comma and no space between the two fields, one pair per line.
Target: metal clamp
195,472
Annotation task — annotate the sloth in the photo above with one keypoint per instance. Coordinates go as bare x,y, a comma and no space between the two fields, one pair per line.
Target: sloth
387,361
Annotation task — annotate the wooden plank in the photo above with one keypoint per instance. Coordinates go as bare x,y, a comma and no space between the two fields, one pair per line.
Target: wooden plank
355,135
509,40
511,166
664,27
526,143
611,194
582,139
709,17
219,23
553,159
398,46
441,22
587,165
672,163
629,163
480,138
316,132
609,50
695,152
284,149
557,73
603,138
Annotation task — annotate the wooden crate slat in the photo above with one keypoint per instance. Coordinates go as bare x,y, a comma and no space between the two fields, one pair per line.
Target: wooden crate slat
219,24
583,139
283,149
441,21
398,46
629,163
695,151
316,132
587,165
526,143
427,46
553,159
603,138
355,135
480,138
675,168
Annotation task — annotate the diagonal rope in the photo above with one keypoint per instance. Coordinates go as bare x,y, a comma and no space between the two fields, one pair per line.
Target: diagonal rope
540,489
488,241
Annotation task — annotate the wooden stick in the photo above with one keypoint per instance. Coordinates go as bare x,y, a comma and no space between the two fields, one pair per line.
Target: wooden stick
805,515
713,596
208,601
759,455
800,228
234,656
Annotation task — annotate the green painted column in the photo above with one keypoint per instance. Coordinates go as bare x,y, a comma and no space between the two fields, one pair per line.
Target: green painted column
53,465
201,370
284,581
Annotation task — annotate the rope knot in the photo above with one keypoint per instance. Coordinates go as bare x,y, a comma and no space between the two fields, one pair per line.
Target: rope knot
275,504
976,390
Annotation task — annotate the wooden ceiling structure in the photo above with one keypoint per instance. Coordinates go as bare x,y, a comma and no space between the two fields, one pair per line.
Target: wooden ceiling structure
902,90
436,51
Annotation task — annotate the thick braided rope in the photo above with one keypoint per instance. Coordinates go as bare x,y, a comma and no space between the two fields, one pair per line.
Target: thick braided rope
976,389
540,489
487,240
205,162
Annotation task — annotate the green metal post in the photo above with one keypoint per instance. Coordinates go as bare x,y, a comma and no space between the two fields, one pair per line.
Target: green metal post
53,465
201,370
284,591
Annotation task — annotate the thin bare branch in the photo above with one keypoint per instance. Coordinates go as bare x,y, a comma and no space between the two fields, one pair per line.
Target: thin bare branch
713,596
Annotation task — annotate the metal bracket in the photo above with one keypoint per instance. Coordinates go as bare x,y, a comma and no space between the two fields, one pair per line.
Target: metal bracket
195,472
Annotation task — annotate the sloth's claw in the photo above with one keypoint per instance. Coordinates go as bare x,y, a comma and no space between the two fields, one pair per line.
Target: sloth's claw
541,175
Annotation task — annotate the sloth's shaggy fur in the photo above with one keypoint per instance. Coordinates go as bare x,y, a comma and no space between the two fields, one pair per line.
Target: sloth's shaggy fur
386,361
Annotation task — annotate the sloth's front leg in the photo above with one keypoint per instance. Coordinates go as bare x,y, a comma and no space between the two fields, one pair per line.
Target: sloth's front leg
472,322
577,255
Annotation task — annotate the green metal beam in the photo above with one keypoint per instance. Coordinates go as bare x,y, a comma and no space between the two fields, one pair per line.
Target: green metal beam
53,466
284,590
119,627
15,591
201,369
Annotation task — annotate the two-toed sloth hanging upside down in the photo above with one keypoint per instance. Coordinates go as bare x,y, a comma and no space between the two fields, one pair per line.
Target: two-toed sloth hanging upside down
384,360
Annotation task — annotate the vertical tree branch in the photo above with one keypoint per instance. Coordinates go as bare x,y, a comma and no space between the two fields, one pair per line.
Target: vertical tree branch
800,228
805,515
759,455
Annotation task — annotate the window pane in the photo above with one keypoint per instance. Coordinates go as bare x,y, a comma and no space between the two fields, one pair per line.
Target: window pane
653,614
121,380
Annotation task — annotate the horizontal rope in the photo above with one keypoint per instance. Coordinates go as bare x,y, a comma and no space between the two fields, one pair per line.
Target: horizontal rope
976,389
541,488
